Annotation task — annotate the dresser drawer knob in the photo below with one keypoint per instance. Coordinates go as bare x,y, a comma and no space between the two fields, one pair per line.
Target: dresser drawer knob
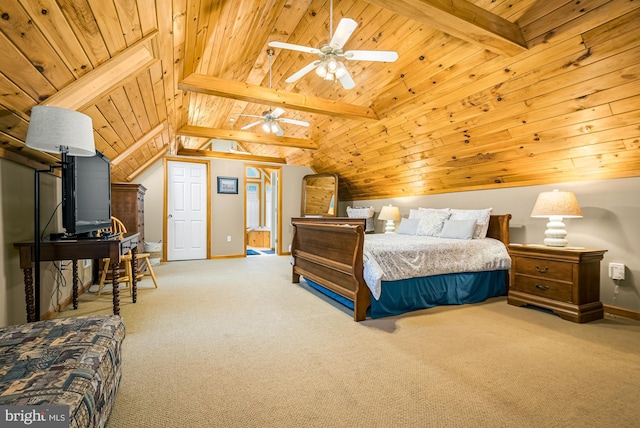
542,287
545,270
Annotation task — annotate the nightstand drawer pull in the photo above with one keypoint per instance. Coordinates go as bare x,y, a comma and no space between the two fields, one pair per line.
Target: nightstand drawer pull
545,270
542,287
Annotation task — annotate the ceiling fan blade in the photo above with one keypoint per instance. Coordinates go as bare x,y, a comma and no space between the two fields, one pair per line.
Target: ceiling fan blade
346,27
277,112
278,130
304,70
293,121
381,56
251,125
345,77
291,46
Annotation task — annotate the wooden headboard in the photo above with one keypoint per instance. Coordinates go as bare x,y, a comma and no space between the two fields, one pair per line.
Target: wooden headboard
499,228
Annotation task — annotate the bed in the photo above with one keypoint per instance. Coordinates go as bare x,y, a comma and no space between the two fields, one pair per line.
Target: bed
330,254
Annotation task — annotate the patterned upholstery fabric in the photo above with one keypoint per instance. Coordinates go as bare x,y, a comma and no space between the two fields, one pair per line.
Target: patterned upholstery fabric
71,361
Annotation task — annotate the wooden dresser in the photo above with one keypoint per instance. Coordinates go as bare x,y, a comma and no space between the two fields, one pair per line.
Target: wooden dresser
127,204
566,281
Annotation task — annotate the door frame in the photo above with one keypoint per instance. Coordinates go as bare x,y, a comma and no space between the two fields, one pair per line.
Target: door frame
278,170
165,201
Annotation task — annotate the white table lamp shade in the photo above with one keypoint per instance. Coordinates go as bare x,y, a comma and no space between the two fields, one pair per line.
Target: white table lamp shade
58,130
555,206
391,214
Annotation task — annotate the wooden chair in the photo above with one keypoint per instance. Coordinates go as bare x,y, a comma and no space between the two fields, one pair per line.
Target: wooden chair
118,227
146,266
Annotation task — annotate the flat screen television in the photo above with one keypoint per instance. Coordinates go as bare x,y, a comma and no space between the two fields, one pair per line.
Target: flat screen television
86,195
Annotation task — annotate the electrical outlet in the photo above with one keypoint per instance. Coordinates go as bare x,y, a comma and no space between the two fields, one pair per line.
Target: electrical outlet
229,238
616,271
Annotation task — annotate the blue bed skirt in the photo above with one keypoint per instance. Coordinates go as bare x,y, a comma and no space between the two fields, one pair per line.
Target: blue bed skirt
408,295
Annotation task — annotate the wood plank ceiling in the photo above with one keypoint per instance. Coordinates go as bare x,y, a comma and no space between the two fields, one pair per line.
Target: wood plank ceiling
485,93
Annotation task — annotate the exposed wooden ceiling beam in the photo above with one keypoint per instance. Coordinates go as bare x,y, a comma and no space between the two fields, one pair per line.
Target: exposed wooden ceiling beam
142,141
23,159
106,77
18,146
229,156
258,94
248,137
463,20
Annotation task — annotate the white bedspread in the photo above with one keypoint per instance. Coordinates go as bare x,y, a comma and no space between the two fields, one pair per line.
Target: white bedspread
391,257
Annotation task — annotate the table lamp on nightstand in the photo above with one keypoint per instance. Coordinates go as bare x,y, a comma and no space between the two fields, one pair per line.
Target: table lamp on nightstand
391,214
555,206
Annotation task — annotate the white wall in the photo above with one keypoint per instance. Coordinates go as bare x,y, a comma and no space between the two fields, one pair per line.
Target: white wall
153,180
17,219
611,221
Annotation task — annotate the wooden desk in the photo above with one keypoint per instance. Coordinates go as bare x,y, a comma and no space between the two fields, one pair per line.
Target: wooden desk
77,250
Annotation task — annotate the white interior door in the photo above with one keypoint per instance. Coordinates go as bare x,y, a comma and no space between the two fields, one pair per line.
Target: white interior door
186,211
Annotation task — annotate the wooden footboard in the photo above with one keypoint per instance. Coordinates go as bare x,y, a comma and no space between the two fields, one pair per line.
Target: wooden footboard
328,251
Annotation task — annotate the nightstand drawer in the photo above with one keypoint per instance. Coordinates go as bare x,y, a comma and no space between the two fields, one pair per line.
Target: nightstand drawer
547,269
539,287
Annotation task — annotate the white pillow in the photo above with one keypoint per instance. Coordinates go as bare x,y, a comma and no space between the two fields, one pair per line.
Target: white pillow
431,221
458,229
480,216
408,226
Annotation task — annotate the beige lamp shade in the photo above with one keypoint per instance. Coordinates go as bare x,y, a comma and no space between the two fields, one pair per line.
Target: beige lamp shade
391,214
557,203
58,130
554,206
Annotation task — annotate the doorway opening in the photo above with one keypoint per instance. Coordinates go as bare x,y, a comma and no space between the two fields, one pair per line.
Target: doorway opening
262,219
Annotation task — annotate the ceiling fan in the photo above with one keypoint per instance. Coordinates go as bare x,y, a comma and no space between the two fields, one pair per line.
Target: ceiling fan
330,66
270,118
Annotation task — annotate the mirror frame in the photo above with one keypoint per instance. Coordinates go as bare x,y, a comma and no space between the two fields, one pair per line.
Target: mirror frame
303,205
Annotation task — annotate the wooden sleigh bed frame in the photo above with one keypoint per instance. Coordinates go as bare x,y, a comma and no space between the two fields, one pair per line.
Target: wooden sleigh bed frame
328,251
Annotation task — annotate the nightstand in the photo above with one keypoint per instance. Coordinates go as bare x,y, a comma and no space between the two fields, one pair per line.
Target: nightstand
566,281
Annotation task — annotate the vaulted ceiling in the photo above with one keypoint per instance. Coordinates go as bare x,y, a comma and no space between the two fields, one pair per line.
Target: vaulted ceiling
484,94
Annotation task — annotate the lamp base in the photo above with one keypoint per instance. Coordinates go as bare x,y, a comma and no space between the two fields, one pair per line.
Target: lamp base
390,227
556,235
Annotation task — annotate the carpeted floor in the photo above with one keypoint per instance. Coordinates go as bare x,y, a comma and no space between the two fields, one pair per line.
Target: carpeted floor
233,343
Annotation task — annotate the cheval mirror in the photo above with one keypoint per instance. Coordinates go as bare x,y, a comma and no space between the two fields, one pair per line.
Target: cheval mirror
319,195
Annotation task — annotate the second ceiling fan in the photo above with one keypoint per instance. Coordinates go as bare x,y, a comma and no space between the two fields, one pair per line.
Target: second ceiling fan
270,118
330,66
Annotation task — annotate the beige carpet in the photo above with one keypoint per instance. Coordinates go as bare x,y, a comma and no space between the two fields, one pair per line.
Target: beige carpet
233,343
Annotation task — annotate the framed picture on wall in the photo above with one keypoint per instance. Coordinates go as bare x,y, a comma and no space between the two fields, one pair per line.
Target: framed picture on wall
228,185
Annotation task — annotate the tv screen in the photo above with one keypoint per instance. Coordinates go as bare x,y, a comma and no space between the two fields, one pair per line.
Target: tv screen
86,194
